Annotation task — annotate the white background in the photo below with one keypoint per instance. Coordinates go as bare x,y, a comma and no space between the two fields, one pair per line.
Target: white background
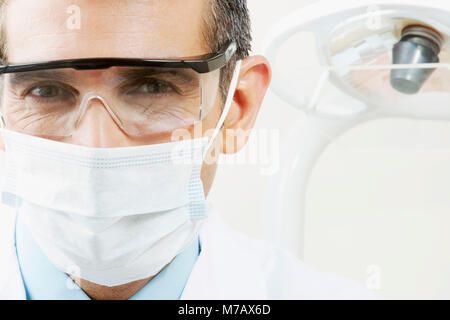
374,205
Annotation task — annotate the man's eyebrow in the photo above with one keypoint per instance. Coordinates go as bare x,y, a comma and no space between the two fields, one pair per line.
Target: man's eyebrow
129,74
139,73
55,75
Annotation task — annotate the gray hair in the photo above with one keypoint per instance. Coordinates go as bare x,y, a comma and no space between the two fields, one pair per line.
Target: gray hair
228,20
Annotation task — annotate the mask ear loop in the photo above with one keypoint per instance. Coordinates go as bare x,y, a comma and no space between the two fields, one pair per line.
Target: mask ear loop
227,106
3,122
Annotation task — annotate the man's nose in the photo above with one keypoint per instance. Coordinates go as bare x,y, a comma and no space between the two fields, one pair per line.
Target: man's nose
98,129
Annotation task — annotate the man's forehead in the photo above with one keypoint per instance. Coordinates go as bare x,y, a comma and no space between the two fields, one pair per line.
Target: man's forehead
52,30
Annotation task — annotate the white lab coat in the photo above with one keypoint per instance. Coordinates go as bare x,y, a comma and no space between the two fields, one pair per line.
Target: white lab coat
230,266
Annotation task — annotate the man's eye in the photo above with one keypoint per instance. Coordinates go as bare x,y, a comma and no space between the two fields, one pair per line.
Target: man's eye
47,91
153,87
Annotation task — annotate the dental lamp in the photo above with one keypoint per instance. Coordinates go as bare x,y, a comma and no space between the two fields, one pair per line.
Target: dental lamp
375,59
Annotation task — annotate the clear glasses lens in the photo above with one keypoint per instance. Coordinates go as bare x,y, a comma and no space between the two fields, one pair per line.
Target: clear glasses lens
142,100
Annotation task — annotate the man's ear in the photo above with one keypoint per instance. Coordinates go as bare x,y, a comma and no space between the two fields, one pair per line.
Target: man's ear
254,79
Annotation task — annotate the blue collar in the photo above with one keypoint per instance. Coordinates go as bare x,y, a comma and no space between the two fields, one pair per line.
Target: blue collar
43,281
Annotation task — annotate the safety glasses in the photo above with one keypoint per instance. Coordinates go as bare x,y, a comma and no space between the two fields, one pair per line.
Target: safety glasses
143,96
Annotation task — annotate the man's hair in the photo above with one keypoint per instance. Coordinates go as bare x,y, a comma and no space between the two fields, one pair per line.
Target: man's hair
225,21
228,20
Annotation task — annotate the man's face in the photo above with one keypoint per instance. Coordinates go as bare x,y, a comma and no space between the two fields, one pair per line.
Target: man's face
47,30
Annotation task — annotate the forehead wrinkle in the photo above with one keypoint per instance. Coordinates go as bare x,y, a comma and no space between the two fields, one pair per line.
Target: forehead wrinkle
107,35
98,46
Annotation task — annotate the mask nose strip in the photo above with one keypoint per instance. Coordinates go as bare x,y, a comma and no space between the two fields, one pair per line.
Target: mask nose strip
85,102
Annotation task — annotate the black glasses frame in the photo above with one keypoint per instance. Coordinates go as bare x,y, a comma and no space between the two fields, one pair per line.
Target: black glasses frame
203,64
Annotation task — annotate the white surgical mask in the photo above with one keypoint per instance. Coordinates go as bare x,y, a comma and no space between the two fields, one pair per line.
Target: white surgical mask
109,216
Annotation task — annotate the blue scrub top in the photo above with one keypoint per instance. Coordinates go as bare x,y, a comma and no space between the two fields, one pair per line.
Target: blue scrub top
43,281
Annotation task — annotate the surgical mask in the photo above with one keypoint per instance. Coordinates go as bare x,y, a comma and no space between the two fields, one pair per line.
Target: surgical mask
109,216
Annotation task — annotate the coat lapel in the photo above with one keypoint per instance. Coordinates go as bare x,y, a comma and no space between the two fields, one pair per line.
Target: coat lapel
227,267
